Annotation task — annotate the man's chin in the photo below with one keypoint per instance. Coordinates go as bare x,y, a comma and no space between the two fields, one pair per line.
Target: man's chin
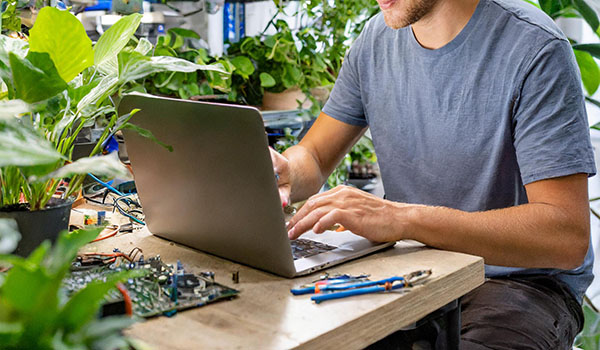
394,22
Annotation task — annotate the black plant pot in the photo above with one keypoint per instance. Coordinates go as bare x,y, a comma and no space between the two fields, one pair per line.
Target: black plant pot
37,226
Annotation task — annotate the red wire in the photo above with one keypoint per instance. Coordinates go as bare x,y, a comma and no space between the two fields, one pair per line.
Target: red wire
126,299
110,234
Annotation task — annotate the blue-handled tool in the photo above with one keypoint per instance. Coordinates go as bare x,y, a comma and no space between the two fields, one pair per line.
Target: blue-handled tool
357,291
343,289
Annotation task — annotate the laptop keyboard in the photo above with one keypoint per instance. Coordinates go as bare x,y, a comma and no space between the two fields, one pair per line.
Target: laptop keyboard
303,248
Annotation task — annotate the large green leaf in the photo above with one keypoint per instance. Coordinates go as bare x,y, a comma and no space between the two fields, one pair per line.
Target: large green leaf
133,66
588,13
590,73
66,247
9,235
35,77
22,287
62,36
115,38
22,146
108,165
83,305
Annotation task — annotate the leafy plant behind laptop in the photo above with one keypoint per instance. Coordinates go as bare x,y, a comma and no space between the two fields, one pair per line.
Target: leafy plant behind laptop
55,84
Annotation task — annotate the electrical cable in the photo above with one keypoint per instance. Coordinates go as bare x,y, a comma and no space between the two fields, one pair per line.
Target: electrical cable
109,187
115,230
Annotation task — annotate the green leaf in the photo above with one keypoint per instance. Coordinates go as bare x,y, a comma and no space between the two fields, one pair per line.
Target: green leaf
83,305
186,33
106,326
36,77
66,247
10,45
143,46
22,146
115,38
590,73
551,7
291,76
266,80
147,134
243,66
107,86
62,36
592,49
133,66
13,108
9,235
587,13
108,165
23,287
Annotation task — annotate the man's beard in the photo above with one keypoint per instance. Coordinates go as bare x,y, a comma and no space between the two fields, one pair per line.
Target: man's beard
415,12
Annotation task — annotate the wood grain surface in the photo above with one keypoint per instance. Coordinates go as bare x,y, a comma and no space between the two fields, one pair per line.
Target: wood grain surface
266,315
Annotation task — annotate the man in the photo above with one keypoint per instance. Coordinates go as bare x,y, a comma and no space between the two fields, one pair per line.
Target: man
479,124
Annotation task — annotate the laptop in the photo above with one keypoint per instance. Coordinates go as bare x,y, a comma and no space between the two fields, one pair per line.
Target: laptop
216,191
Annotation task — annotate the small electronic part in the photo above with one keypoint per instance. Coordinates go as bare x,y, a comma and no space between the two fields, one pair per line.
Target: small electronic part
164,290
235,277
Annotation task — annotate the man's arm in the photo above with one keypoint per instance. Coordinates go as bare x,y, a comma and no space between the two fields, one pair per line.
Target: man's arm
551,231
303,168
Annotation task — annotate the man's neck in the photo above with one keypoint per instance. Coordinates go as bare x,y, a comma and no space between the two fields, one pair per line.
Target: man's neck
444,22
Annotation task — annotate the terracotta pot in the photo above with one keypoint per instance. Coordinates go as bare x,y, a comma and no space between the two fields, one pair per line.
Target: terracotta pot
285,100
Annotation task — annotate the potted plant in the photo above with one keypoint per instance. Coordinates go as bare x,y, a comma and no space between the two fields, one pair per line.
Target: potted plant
36,314
287,64
54,85
200,85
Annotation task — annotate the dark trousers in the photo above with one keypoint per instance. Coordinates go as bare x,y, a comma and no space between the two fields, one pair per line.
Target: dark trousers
532,312
527,312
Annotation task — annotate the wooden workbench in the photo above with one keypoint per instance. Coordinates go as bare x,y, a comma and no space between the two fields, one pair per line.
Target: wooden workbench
266,315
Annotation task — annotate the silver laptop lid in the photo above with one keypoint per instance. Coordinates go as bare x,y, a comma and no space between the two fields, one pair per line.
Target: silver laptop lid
216,191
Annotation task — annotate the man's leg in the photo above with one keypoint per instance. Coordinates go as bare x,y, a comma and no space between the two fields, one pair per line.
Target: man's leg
533,312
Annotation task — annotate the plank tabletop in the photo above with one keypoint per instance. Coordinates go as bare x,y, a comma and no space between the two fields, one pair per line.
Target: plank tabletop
266,315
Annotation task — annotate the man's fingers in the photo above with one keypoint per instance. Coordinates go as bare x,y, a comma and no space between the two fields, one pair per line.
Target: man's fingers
327,221
307,222
314,202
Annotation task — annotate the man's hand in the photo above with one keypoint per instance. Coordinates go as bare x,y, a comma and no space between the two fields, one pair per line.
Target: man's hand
282,173
362,213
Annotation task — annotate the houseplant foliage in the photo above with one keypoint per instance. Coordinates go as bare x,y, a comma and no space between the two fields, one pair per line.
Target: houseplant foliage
56,84
206,85
35,313
257,64
584,52
335,24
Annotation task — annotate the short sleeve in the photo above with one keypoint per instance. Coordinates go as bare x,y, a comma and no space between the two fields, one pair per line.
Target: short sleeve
345,103
550,129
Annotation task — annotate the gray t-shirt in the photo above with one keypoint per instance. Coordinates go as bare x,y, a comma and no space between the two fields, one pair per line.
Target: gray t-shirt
467,125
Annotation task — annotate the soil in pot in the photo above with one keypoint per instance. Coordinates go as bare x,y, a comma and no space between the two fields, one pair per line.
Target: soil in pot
37,226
